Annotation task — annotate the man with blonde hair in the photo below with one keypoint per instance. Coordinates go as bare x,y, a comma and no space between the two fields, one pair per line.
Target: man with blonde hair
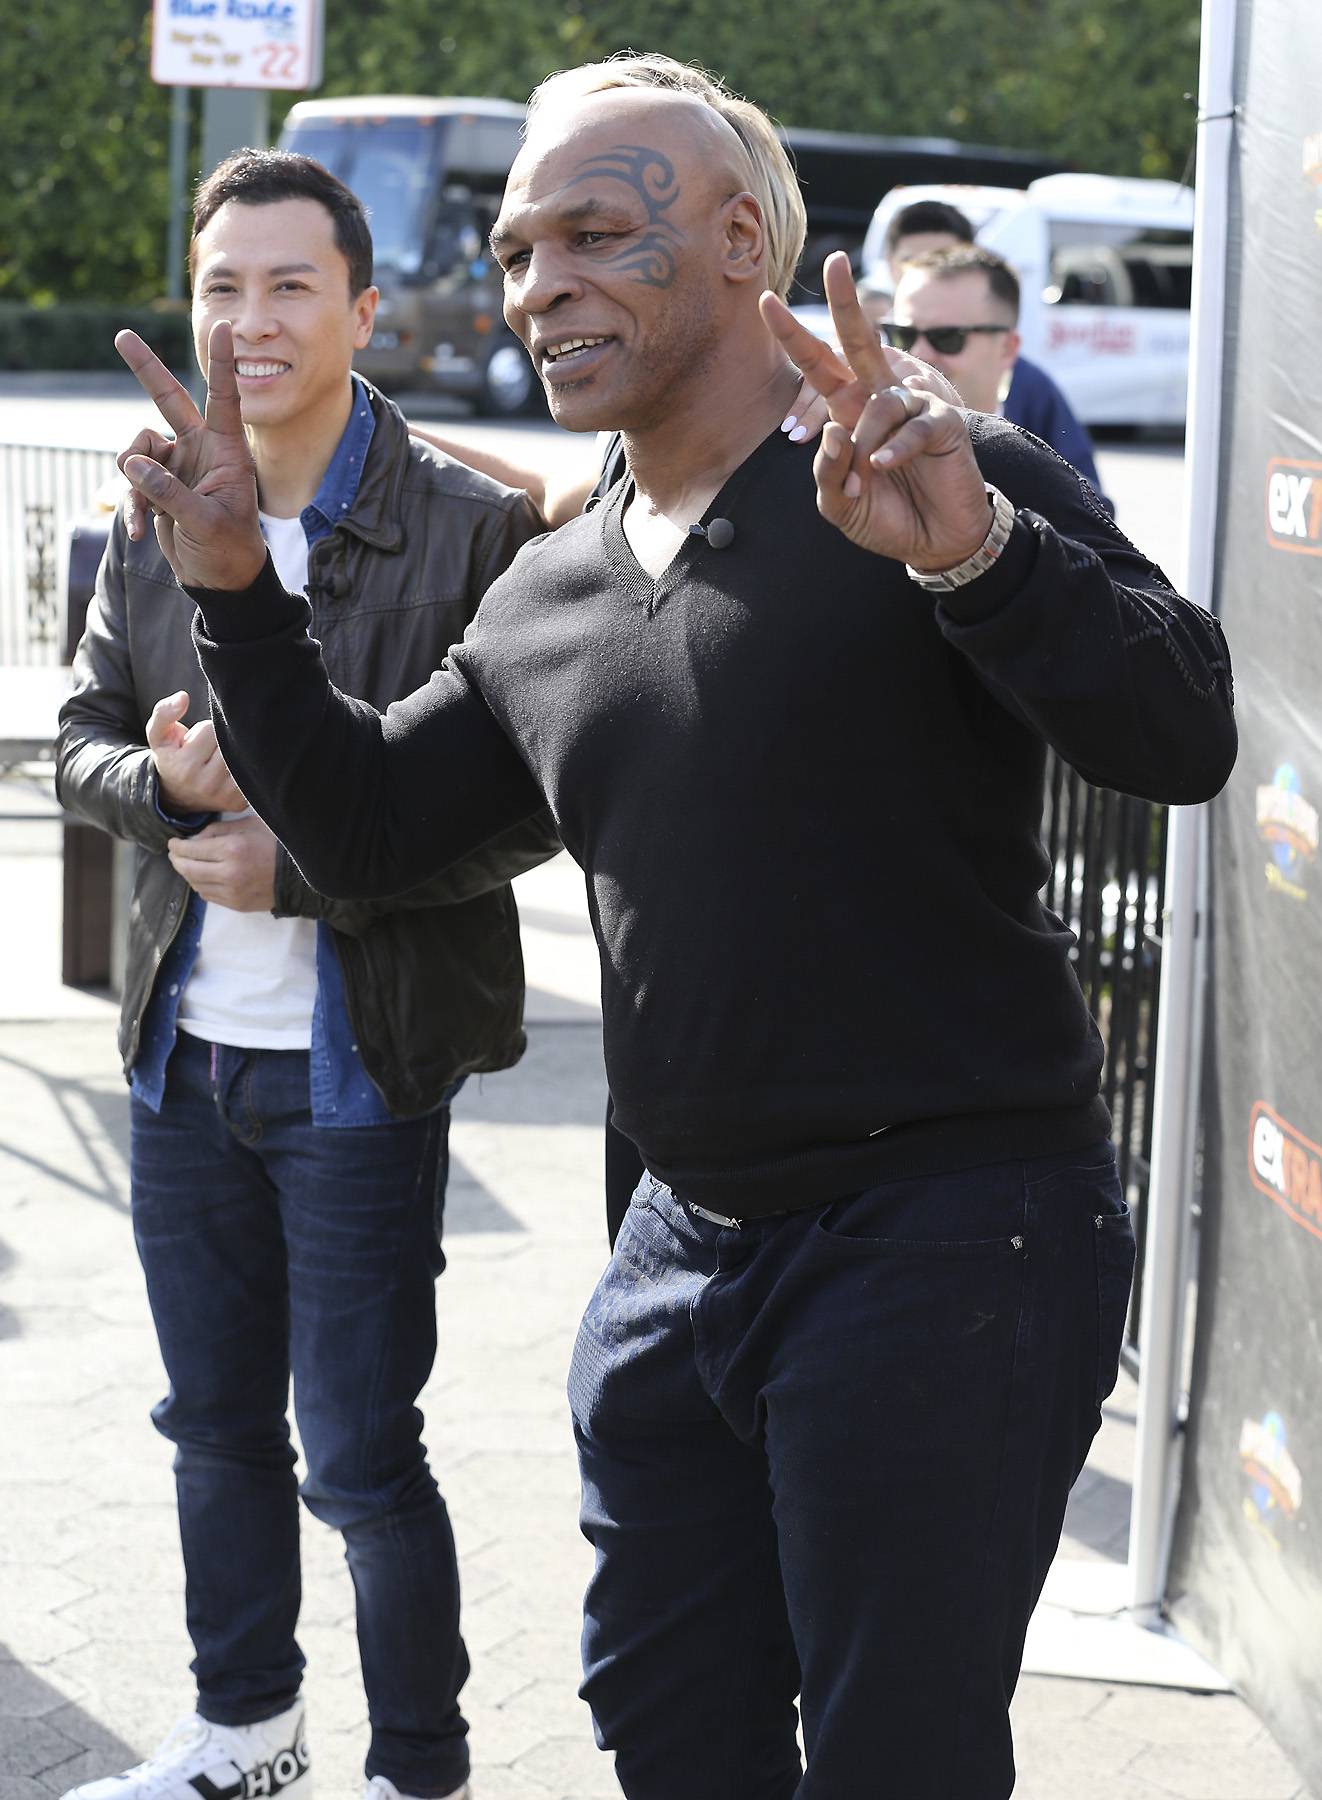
767,169
846,1361
558,485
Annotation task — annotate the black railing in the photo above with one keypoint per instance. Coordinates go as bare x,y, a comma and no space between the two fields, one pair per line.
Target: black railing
1108,873
44,490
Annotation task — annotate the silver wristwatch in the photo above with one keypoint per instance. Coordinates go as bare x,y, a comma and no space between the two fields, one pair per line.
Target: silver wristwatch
940,581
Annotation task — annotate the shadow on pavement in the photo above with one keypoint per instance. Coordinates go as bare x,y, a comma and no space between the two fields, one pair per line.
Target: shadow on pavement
559,1009
77,1100
47,1743
469,1206
1098,1512
560,1081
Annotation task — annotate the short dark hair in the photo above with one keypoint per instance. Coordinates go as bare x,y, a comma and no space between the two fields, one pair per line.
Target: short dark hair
924,216
960,258
260,177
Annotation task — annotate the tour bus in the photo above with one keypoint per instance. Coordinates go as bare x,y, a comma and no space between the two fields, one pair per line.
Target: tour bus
1105,268
431,173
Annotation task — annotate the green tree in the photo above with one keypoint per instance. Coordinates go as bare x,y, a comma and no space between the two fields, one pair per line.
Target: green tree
84,130
83,154
1097,82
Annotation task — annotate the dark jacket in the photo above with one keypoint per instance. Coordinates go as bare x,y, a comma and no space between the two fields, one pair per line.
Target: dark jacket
433,978
1036,404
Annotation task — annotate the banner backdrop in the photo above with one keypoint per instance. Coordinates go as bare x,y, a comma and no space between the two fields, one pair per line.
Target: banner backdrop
1246,1579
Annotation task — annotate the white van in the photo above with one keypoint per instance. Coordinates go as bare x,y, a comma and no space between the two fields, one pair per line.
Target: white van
1104,267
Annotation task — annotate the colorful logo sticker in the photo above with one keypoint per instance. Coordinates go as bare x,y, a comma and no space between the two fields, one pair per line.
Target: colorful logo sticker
1288,825
1276,1488
1287,1167
1312,165
1294,506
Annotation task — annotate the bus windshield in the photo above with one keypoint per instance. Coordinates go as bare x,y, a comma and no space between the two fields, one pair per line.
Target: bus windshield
391,165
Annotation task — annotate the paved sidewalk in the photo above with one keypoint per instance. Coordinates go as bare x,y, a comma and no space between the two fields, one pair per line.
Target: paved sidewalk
93,1656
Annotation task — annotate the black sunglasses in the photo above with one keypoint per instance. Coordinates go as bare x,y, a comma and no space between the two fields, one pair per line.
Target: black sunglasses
946,340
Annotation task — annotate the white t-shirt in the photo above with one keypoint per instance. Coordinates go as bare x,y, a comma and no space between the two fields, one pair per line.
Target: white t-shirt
254,983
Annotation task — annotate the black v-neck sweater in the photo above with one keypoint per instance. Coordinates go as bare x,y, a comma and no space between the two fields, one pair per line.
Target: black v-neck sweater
806,797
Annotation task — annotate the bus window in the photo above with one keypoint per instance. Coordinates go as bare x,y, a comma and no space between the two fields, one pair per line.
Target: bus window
390,164
482,149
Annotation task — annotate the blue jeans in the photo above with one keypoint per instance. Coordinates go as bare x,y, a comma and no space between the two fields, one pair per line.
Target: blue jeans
828,1455
273,1247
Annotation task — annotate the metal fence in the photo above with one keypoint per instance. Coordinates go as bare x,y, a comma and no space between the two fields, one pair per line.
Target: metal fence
1108,873
44,490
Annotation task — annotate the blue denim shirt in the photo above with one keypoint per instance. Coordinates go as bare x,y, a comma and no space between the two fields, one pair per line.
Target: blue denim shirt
341,1091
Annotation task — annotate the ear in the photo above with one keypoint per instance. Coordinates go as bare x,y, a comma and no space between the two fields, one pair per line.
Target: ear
745,239
364,317
1011,342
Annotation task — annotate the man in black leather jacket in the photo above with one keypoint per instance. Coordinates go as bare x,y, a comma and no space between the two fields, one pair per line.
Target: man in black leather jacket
292,1057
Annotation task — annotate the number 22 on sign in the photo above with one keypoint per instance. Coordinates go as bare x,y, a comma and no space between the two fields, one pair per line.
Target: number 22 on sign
278,61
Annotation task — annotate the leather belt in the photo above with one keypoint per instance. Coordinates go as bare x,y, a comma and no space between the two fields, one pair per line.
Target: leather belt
729,1224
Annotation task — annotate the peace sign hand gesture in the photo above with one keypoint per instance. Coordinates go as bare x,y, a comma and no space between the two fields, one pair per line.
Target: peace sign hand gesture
205,502
895,470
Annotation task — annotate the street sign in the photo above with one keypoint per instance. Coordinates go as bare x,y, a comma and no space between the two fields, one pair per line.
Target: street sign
237,43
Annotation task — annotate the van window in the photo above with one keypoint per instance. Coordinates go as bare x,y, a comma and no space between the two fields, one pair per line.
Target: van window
1119,265
389,163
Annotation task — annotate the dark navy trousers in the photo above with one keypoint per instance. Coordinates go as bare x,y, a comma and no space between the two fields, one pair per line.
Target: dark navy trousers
827,1457
271,1247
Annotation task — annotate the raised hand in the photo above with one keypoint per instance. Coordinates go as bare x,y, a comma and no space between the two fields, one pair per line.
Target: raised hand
895,470
191,775
205,501
160,448
230,863
828,380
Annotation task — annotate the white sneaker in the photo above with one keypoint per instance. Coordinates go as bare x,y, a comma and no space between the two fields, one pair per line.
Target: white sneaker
203,1761
378,1788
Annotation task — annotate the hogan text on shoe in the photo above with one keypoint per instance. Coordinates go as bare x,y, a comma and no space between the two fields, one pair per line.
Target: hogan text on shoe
200,1760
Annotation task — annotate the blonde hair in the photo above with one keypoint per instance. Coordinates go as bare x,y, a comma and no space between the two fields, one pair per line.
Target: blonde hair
771,178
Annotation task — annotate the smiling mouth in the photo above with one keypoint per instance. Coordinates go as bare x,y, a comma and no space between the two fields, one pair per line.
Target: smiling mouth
571,350
248,370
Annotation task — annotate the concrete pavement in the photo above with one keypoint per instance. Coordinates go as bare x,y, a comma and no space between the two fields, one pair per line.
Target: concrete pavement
93,1655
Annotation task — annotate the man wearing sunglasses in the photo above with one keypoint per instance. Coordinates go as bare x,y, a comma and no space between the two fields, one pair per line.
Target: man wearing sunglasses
958,308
